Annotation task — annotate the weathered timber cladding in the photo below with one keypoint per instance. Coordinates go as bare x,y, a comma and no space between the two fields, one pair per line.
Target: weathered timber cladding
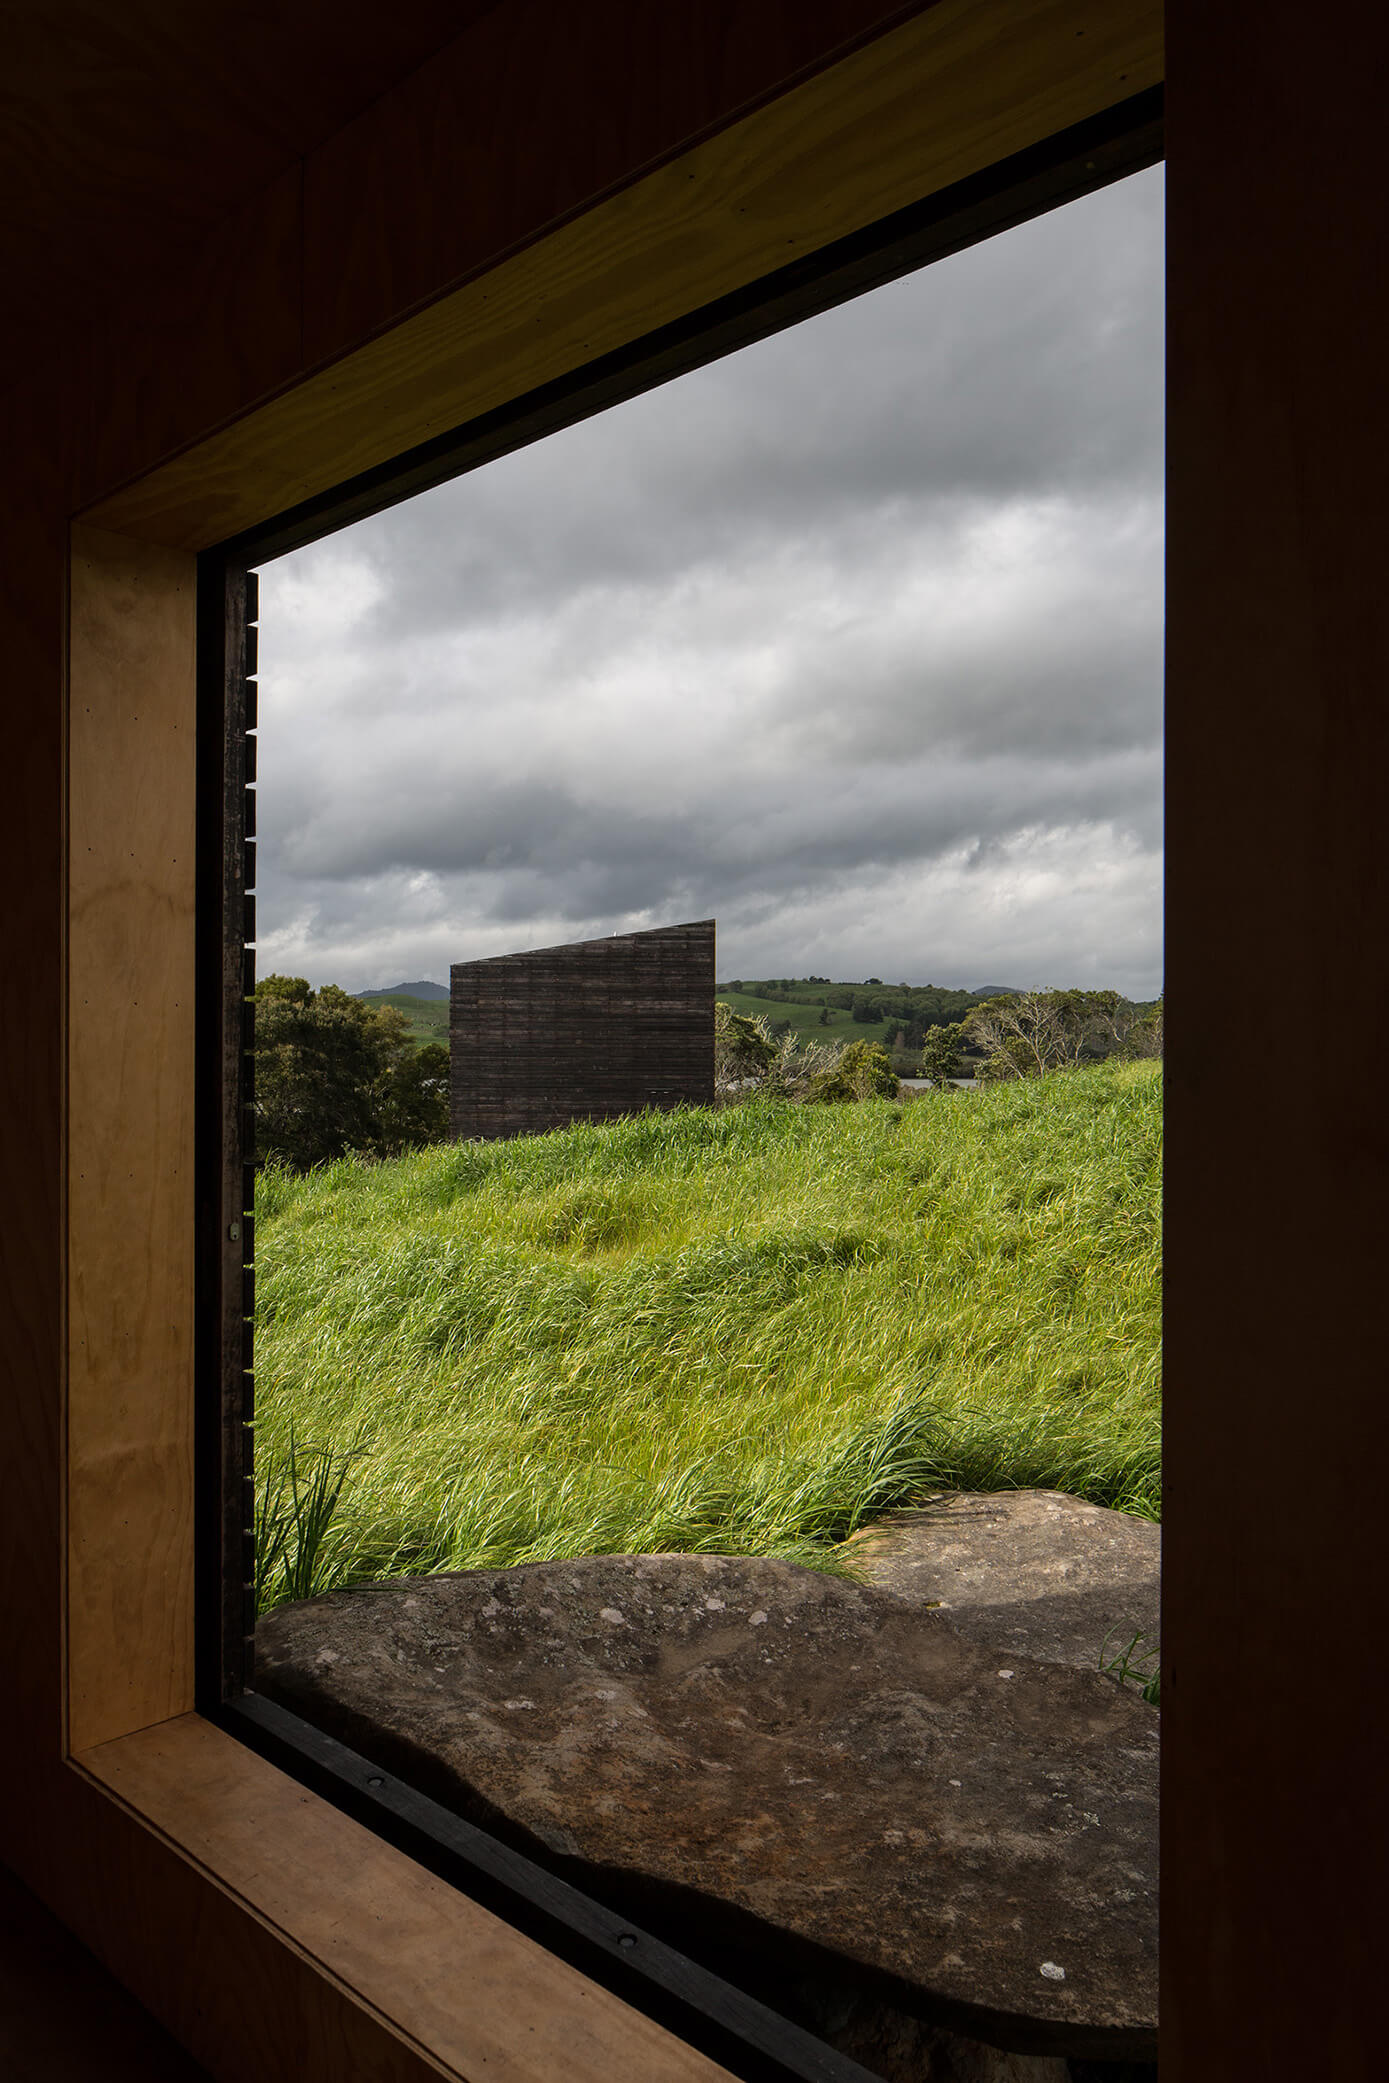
582,1033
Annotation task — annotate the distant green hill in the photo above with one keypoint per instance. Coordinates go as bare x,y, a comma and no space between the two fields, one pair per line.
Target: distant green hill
804,1016
428,1018
799,1002
420,990
818,1008
879,1005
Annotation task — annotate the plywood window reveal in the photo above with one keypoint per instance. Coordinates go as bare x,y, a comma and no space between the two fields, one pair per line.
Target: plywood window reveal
314,1878
533,1047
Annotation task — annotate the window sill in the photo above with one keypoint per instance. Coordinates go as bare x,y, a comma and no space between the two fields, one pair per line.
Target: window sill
470,1995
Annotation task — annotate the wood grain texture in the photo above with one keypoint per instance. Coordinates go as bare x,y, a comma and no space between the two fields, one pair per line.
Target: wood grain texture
216,334
586,1032
244,1938
537,111
530,112
947,94
229,1986
1276,1423
130,1117
433,1968
63,2017
128,133
33,604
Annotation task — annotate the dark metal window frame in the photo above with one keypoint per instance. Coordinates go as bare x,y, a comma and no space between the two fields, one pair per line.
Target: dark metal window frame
734,2027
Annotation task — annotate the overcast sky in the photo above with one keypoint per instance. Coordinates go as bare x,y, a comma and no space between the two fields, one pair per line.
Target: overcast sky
851,640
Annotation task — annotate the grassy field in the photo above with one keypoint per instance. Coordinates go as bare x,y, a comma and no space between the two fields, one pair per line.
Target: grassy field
805,1019
745,1330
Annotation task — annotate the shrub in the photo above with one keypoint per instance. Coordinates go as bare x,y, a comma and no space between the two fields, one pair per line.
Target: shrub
862,1070
751,1057
334,1074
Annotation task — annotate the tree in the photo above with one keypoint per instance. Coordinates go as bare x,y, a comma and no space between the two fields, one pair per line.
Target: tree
862,1070
749,1060
333,1075
1149,1032
744,1051
415,1098
1025,1034
940,1055
1142,1035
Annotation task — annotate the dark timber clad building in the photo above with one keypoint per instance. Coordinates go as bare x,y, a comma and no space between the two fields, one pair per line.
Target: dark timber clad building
585,1032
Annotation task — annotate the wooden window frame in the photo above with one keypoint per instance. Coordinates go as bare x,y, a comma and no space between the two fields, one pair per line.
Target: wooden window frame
385,1969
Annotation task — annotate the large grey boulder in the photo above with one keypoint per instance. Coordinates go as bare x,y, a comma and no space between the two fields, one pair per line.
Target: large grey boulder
1023,1572
896,1823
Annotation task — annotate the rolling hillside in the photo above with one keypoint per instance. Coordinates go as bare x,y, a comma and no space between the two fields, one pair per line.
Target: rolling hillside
736,1331
805,1017
428,1017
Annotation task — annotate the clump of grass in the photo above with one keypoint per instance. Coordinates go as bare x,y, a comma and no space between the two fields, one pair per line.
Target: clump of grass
1136,1664
743,1330
296,1499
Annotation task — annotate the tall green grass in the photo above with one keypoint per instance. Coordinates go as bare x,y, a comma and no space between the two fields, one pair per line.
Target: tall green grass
746,1330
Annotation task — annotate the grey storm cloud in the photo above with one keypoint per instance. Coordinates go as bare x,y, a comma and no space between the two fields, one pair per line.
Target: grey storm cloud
852,640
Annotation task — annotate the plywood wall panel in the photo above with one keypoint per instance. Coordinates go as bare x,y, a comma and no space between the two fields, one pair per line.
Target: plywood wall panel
536,111
131,131
33,610
491,2004
1276,1420
130,1116
63,2017
245,2001
221,332
931,103
195,1931
478,148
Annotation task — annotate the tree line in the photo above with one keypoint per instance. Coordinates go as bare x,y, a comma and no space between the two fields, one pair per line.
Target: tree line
1015,1034
1029,1034
1055,1027
914,1006
334,1076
